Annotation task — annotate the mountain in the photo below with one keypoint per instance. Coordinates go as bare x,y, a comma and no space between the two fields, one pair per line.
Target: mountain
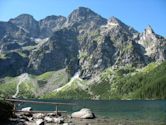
102,52
51,24
27,23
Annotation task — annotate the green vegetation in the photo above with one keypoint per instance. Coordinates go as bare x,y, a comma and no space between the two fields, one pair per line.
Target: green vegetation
8,88
33,87
69,94
128,48
72,90
147,83
45,76
115,83
2,56
83,55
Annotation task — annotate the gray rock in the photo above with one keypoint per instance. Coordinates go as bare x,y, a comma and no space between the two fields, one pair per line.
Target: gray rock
28,23
58,120
38,115
39,122
51,24
48,119
26,109
83,114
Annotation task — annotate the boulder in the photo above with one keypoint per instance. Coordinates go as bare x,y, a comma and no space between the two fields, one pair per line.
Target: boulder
27,113
84,113
38,116
48,119
26,109
58,120
54,114
39,122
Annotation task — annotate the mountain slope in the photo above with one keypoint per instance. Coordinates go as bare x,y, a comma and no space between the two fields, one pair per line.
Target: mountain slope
83,42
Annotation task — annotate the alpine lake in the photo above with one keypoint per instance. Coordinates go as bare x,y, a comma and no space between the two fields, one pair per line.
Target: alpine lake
111,112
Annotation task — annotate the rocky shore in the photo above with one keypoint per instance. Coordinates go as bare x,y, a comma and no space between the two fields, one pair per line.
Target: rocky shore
83,117
27,117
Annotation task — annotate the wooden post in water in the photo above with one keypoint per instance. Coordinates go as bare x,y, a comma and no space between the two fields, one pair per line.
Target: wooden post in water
38,102
56,110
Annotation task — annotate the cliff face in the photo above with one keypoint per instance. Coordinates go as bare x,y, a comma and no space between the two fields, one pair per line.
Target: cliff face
83,41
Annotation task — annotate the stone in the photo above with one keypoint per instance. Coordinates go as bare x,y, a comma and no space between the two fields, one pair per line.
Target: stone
26,109
48,119
39,122
54,114
58,120
84,113
38,115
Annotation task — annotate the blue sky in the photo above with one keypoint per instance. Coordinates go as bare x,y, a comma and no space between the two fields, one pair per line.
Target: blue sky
136,13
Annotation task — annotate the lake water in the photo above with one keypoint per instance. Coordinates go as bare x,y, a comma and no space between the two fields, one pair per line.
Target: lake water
148,110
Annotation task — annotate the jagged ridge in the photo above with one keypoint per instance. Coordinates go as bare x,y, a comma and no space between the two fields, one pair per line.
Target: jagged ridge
84,41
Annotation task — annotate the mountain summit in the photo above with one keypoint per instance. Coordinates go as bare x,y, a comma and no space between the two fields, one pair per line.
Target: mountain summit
84,43
100,43
28,23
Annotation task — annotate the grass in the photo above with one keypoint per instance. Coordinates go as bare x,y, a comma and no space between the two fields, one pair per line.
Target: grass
31,88
127,83
146,83
45,76
70,91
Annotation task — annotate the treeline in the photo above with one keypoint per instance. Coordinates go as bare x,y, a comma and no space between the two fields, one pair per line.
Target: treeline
144,85
149,83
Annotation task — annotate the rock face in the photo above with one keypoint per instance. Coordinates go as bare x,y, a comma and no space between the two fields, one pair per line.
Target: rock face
51,24
83,114
83,41
85,20
59,51
27,23
153,44
12,64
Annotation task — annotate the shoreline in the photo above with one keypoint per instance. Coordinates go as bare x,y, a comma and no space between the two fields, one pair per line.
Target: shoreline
99,120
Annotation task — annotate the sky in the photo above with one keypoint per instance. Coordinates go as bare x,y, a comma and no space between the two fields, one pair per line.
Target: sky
136,13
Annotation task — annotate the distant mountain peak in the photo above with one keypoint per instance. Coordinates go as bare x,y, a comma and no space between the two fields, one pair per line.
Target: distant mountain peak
85,19
80,9
82,12
27,23
113,21
149,30
83,8
53,17
23,17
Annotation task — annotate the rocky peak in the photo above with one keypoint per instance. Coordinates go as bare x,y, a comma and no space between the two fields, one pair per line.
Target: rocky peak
114,21
149,34
116,29
51,24
23,19
53,18
23,16
27,23
82,12
83,16
149,30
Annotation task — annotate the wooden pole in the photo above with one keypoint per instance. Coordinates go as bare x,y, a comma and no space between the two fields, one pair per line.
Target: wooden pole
39,111
38,102
56,110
